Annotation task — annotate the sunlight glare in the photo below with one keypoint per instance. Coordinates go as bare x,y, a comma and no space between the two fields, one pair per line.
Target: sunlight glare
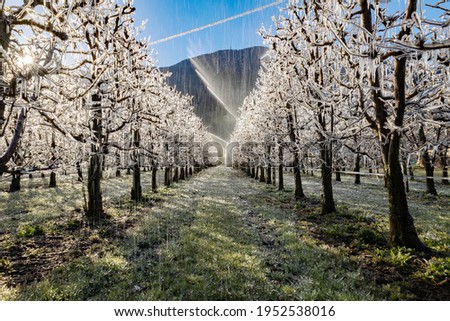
26,60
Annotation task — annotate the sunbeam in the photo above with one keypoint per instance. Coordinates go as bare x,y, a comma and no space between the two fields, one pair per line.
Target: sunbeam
219,139
202,73
219,22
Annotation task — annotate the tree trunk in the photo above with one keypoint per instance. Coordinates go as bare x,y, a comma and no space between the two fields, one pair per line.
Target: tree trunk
298,191
338,174
303,164
79,172
429,167
253,172
52,179
269,174
118,174
176,152
357,169
262,178
103,162
154,187
280,178
136,189
328,205
95,201
52,163
257,172
269,167
280,169
2,102
175,175
402,229
274,176
429,170
405,173
182,176
15,182
166,176
444,167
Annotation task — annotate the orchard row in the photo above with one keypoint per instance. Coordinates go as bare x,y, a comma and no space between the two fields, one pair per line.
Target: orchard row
346,81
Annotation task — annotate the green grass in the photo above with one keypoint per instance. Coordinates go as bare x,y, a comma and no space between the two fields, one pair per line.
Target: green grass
88,278
397,256
222,236
361,227
30,230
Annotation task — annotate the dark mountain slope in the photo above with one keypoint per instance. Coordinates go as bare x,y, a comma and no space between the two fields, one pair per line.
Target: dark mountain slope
219,82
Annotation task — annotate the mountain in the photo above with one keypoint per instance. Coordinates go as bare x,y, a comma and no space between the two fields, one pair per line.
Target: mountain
218,82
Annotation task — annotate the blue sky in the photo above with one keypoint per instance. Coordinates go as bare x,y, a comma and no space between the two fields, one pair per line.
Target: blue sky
169,17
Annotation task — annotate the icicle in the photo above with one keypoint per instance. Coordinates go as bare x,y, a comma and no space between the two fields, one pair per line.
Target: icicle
37,87
22,87
371,69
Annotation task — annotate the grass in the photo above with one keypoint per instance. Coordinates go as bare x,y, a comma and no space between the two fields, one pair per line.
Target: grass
361,227
219,236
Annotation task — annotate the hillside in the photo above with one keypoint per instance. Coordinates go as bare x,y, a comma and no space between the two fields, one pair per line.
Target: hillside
219,82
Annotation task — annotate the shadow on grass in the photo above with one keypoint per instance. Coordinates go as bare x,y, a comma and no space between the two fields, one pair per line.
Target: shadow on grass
362,236
221,237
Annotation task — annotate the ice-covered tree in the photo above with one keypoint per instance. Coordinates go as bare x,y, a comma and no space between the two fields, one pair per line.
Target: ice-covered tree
351,66
30,37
